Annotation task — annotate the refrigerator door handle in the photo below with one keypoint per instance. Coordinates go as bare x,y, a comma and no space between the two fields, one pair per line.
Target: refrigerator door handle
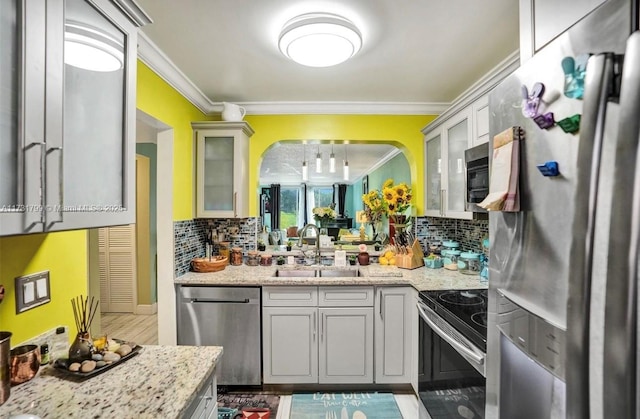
598,84
620,322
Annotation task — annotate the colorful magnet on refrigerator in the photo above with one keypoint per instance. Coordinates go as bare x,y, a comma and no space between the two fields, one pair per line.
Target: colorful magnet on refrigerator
574,72
570,125
530,102
545,121
549,169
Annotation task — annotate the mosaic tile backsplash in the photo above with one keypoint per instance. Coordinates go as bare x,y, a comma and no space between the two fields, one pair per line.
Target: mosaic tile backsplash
469,233
190,237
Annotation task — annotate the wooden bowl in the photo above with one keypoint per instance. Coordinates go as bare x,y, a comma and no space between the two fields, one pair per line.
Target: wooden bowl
217,263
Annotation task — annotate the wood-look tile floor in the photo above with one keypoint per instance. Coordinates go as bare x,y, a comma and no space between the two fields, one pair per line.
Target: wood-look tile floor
139,328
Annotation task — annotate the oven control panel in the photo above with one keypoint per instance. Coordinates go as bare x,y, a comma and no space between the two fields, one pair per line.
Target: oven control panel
540,340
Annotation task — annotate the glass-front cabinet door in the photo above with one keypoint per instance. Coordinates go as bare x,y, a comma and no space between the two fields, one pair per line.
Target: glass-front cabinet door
96,154
458,133
222,169
433,180
10,196
445,173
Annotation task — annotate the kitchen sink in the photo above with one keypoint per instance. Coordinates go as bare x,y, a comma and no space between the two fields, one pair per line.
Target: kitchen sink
338,272
308,273
295,272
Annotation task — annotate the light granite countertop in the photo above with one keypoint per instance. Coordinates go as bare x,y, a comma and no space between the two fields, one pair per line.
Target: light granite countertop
160,382
421,279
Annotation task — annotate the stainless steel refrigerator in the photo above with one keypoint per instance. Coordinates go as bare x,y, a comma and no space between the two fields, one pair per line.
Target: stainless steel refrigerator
562,316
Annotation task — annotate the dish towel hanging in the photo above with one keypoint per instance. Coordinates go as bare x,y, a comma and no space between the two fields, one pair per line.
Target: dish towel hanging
505,169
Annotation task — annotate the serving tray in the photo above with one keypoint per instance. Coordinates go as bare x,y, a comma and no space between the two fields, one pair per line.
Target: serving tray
62,364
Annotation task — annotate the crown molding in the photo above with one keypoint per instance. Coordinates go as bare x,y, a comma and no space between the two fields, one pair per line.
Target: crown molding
150,54
370,108
479,88
134,12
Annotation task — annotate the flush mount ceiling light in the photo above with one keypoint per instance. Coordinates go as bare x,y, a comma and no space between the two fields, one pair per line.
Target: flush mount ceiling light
319,39
91,49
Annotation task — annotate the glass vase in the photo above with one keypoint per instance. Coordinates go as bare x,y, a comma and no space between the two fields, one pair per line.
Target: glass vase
397,226
81,347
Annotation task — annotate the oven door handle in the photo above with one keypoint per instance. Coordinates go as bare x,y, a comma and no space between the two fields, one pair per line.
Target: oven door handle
477,358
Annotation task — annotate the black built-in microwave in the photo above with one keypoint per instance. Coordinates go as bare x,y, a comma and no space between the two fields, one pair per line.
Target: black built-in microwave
477,176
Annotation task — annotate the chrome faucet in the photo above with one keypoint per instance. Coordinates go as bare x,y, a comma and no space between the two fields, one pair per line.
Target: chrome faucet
304,230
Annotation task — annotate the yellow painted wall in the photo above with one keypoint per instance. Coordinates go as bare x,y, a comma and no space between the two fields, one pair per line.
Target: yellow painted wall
402,131
158,99
64,255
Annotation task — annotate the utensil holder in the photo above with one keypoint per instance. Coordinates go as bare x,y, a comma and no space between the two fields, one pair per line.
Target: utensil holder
413,259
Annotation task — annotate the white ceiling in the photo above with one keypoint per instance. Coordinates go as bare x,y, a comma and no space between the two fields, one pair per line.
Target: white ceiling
417,55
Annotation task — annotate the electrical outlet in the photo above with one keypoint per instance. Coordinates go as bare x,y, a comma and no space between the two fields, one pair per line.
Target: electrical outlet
32,291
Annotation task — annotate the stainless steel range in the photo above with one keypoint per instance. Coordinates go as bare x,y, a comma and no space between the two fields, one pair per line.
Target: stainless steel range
453,342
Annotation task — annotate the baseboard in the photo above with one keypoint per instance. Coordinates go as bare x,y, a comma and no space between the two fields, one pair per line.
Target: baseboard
147,308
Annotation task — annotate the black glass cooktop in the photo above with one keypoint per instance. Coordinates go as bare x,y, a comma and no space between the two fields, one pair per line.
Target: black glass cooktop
466,310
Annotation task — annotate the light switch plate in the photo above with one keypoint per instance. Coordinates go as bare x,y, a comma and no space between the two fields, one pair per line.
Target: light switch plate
32,291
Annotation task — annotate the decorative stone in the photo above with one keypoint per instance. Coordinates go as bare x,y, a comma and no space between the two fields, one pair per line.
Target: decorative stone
110,357
124,350
88,366
74,367
96,357
100,364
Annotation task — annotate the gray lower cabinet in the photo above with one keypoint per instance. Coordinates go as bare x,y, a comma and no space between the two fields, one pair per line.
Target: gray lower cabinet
205,405
346,345
394,326
290,345
317,335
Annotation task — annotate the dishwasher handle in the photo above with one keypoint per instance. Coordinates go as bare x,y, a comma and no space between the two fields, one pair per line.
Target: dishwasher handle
223,300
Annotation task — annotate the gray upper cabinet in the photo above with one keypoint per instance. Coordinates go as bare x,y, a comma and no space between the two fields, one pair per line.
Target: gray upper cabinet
67,114
222,169
541,21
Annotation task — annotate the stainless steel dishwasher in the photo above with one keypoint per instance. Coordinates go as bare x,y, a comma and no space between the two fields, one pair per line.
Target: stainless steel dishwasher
227,317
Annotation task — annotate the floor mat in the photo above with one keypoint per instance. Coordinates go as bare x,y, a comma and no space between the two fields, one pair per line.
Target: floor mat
345,405
464,403
241,400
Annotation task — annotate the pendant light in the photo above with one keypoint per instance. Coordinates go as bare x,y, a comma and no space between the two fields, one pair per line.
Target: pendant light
305,169
332,161
318,161
345,172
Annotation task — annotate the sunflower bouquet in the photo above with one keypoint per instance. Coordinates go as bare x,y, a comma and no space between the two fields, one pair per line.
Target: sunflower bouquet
397,198
374,207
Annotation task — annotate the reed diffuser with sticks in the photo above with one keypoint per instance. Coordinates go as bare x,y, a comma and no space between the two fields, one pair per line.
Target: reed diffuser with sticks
83,313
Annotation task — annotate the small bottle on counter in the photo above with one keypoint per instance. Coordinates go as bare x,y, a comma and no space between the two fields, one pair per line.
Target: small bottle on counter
266,260
253,259
224,250
45,357
236,256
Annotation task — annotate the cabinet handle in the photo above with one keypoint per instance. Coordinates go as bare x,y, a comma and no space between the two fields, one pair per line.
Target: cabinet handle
381,303
315,326
60,186
321,327
441,201
43,178
235,205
